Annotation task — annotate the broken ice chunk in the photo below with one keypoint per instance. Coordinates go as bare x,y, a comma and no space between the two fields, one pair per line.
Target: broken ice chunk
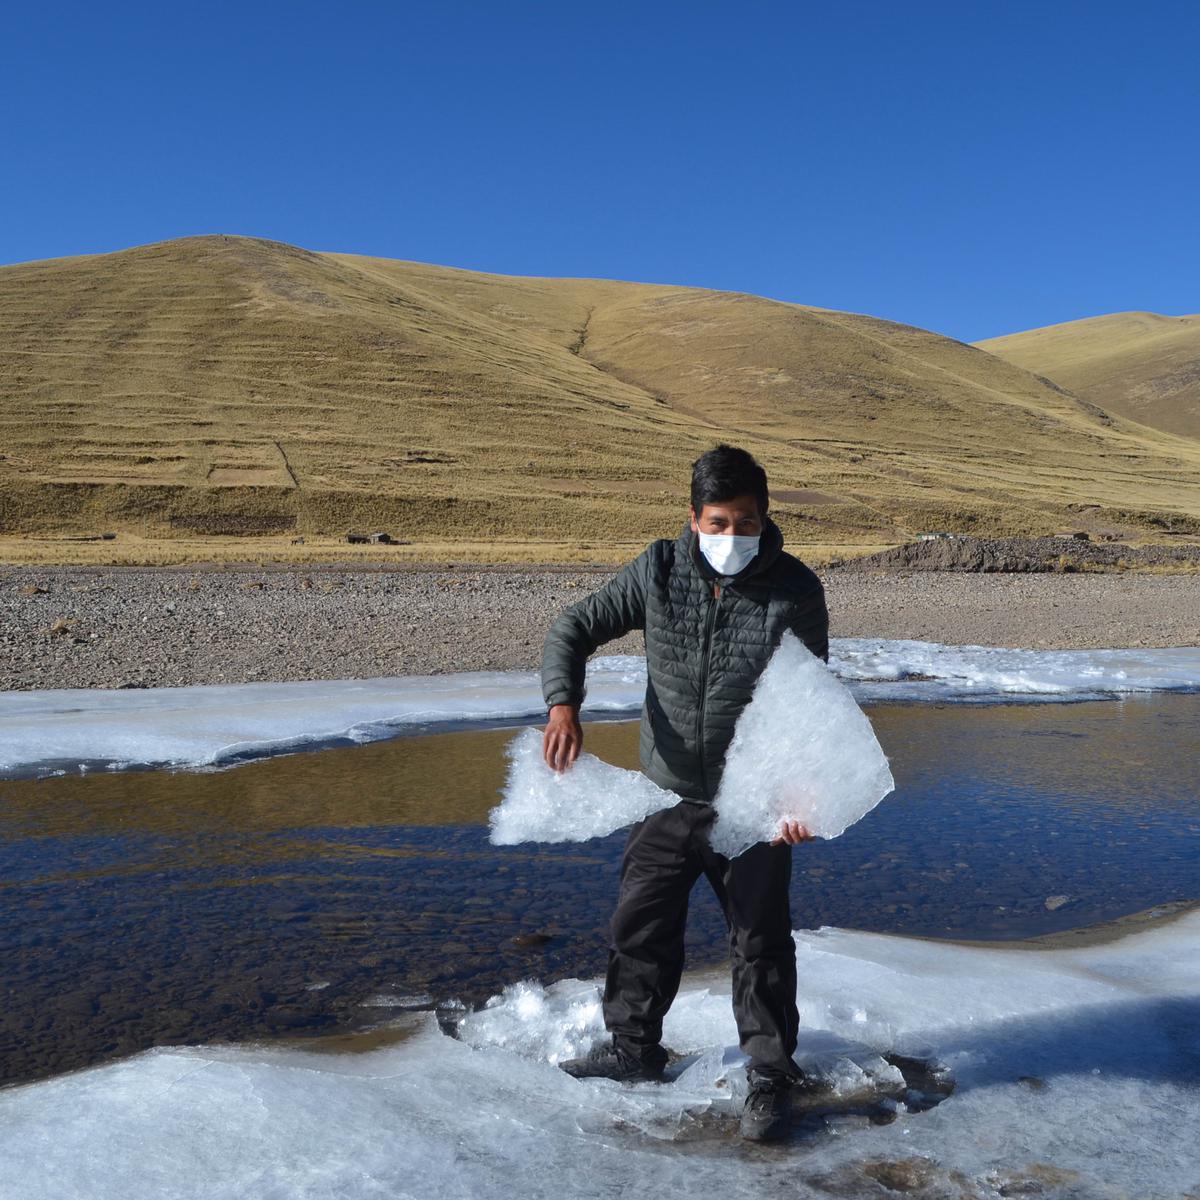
589,799
802,748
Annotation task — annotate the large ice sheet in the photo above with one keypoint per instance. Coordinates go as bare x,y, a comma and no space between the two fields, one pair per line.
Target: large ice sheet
215,724
802,749
907,669
48,732
1076,1073
589,799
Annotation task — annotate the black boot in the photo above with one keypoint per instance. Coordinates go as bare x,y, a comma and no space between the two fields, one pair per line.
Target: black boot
610,1061
767,1115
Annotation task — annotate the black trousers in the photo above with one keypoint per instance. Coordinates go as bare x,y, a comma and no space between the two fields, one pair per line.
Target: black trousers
665,854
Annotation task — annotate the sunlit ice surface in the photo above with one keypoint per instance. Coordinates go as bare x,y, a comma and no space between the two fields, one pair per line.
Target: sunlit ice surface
51,731
1074,1073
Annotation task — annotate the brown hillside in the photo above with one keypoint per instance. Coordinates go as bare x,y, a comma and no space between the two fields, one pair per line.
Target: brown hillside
220,385
1142,365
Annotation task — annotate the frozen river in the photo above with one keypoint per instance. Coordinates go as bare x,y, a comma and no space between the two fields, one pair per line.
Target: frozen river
340,877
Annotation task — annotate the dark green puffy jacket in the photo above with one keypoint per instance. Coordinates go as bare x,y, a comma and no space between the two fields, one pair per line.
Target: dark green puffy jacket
708,638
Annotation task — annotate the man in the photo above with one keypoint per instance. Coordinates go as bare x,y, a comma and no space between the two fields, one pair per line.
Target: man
713,604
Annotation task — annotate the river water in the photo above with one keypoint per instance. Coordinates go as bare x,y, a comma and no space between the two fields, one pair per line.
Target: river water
320,892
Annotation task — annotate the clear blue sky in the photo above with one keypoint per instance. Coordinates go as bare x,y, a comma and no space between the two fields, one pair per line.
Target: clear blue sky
971,167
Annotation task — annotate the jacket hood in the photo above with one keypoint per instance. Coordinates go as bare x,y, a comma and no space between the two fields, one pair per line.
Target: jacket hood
769,547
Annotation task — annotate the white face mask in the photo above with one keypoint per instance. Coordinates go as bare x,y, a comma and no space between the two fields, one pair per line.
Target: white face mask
728,552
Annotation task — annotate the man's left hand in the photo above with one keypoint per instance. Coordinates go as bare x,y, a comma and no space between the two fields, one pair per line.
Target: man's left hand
792,832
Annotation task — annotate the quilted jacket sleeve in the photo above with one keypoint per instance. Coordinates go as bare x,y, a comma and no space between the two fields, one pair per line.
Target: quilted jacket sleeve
615,609
811,622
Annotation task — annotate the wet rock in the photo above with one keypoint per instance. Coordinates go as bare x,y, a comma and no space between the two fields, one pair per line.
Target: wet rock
1037,1179
531,939
902,1175
917,1177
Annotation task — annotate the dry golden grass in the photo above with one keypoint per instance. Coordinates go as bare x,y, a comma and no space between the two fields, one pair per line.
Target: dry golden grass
1142,365
1124,566
211,394
133,550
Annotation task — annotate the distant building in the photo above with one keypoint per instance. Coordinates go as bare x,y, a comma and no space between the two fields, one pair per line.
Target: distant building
377,538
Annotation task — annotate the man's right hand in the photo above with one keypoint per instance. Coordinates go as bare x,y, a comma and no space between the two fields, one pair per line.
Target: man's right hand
563,738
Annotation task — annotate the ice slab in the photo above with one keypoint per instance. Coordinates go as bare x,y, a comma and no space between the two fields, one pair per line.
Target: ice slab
802,748
589,799
51,731
1072,1065
217,724
907,669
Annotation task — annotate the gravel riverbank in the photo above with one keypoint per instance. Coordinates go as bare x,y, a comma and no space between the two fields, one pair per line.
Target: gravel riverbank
132,626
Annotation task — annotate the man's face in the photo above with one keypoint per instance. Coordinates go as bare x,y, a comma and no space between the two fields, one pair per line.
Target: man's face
739,515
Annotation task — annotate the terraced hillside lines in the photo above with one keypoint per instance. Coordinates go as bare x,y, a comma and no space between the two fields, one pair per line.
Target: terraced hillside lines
1143,365
677,343
234,386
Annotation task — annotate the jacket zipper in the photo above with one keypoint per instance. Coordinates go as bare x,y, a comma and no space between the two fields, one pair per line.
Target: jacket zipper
713,603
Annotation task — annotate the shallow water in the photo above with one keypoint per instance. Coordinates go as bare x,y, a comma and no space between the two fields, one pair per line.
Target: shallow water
297,894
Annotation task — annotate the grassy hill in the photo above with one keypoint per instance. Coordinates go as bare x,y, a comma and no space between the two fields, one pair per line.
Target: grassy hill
1141,365
227,387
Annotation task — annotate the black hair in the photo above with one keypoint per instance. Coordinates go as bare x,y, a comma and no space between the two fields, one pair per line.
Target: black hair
725,472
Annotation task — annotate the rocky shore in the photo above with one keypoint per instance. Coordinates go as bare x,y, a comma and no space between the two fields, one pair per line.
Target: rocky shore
147,627
1025,554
